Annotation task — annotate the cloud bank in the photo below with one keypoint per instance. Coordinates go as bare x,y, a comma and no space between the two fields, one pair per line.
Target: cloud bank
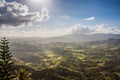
55,32
102,28
16,14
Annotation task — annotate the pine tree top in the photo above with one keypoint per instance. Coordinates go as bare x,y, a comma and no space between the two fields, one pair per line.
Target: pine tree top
6,65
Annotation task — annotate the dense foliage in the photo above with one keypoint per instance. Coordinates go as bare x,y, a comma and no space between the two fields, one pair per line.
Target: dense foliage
7,71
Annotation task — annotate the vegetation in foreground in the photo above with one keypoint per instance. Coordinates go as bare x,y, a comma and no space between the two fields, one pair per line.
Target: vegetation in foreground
7,70
97,60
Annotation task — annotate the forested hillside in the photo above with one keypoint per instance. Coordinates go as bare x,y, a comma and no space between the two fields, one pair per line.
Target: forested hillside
96,60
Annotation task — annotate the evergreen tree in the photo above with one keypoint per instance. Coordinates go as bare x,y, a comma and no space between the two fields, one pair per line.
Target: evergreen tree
7,71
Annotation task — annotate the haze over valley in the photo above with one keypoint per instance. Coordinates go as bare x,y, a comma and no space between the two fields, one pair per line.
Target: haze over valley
59,40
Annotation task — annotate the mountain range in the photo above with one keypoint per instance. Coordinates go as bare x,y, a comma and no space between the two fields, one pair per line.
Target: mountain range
75,38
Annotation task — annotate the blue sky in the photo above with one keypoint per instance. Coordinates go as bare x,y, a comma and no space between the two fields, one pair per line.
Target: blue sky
105,11
65,14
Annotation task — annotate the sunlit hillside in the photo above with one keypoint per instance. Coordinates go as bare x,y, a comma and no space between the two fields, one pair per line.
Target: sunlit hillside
69,61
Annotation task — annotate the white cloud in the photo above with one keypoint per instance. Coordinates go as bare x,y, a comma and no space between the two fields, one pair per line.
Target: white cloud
45,14
80,29
16,14
102,28
90,18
